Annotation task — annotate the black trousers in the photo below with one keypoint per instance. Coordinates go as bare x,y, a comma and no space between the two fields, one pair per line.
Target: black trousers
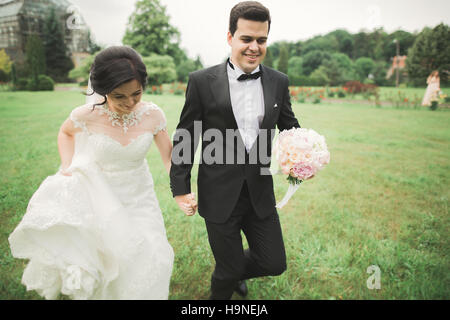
265,256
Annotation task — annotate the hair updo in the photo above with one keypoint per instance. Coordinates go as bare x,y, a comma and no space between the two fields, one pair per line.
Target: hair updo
115,66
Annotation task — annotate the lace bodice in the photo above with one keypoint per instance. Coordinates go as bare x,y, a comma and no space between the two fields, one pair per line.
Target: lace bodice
108,144
149,119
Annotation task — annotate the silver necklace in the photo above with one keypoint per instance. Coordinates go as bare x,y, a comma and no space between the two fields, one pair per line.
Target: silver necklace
125,120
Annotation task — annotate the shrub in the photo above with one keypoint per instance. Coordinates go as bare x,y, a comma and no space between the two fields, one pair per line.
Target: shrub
22,84
4,77
32,85
6,86
155,89
84,83
301,94
178,88
45,83
369,89
434,105
363,67
301,80
353,87
160,69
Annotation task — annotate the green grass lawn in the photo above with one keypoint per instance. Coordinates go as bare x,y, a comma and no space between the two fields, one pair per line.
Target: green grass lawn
383,200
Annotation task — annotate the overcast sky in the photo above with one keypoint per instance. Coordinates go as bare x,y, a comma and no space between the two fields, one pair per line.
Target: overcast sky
204,23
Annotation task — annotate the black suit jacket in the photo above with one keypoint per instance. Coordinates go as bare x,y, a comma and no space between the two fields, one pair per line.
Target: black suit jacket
219,184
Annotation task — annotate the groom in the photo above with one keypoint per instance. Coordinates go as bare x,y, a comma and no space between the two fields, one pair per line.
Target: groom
248,100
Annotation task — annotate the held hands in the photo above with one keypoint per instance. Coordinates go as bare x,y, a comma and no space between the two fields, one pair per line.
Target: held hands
187,203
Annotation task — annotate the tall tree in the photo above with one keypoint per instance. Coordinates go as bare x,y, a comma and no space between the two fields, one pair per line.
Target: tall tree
5,66
161,69
81,73
14,75
313,59
198,63
324,43
378,39
431,51
5,62
274,51
345,41
184,68
35,57
295,69
150,32
361,45
93,47
56,53
405,39
284,59
333,72
344,66
363,67
268,60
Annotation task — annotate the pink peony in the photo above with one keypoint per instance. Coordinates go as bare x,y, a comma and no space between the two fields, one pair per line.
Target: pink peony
302,172
301,152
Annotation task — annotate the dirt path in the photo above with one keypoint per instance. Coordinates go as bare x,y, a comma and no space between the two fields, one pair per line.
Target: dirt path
64,88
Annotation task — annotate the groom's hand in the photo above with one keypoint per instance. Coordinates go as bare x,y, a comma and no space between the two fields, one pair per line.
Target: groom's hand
187,203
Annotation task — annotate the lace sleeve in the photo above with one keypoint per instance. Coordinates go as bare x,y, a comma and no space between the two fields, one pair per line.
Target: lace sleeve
162,123
78,117
158,119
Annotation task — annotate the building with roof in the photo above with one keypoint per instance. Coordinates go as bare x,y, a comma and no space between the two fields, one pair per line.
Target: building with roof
21,18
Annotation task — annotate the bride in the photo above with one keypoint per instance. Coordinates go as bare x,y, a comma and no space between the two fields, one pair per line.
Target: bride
94,230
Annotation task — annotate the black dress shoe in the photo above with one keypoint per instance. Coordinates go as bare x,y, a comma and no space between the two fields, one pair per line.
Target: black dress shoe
241,288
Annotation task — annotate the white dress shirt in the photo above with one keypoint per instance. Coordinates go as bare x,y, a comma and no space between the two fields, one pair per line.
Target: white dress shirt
247,100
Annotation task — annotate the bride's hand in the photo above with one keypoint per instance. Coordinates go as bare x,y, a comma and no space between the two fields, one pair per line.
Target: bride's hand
193,202
187,203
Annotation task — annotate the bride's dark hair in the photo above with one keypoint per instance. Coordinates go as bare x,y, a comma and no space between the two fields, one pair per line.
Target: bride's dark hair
115,66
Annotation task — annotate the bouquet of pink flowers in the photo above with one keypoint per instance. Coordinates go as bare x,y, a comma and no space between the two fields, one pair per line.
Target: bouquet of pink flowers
301,153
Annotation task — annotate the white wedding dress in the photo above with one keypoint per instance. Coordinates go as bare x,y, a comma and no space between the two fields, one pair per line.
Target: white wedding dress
99,234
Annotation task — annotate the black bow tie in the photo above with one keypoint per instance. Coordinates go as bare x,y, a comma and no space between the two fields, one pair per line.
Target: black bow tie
246,76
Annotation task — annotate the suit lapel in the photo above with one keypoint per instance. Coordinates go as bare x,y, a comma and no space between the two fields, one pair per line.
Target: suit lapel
221,91
269,96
